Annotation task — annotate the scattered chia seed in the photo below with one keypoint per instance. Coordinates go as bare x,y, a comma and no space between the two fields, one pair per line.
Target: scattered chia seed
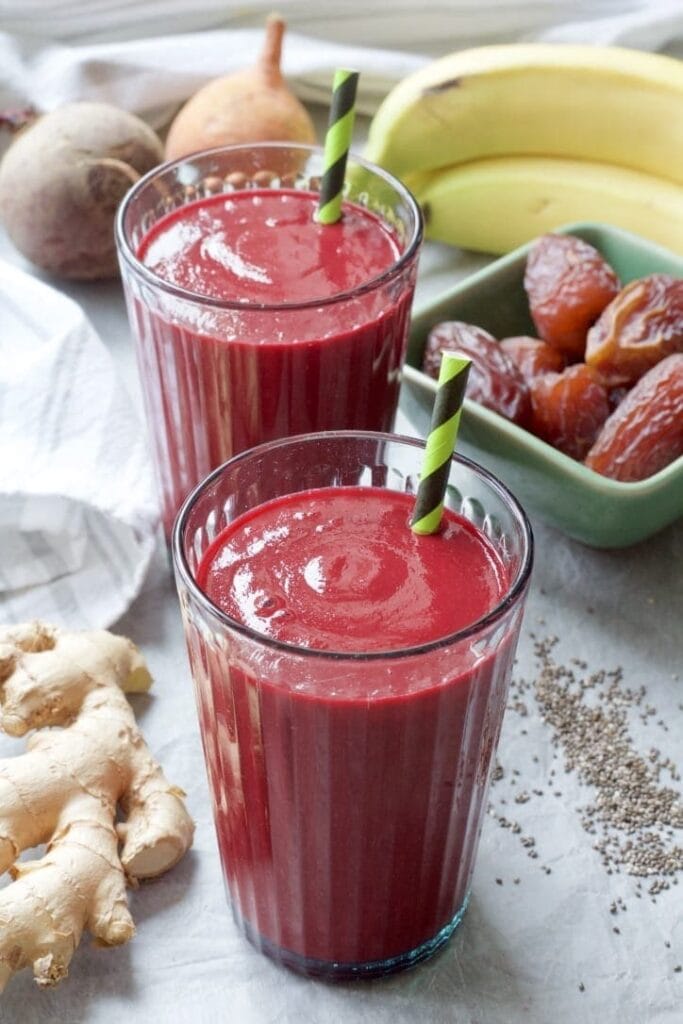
520,707
582,987
499,881
632,815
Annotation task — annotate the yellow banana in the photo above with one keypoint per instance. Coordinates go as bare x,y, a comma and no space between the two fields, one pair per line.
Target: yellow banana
495,205
606,104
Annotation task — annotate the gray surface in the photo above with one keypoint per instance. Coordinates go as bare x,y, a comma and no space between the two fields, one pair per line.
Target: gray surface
524,949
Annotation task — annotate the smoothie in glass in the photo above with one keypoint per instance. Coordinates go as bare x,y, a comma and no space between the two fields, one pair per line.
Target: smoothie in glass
252,320
351,679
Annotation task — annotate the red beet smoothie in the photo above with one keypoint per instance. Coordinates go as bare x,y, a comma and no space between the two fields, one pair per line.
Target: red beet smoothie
348,796
219,380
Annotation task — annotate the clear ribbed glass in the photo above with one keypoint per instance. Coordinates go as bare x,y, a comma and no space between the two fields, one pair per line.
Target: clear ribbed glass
348,789
220,376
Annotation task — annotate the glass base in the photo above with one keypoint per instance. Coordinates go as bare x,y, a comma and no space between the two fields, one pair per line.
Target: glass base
333,971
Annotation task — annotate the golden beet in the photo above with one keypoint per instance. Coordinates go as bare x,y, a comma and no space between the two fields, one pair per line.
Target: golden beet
253,105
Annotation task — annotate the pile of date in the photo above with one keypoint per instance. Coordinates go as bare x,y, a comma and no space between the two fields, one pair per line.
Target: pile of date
603,380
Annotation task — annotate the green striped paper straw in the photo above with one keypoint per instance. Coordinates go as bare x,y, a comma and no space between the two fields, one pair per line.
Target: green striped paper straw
443,431
337,145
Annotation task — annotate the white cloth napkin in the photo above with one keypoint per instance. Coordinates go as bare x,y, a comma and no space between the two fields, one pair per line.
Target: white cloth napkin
425,27
148,56
152,77
77,510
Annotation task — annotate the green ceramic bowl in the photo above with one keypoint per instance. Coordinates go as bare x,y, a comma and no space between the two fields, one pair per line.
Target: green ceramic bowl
600,512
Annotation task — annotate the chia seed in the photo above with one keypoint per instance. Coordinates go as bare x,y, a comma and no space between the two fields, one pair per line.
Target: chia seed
632,816
632,813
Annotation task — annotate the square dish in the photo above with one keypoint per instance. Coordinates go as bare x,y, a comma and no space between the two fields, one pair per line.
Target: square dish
591,508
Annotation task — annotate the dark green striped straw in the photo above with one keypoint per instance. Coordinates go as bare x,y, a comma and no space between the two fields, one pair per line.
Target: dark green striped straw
443,431
337,145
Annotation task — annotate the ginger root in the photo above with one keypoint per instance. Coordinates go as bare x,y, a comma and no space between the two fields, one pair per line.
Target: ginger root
65,792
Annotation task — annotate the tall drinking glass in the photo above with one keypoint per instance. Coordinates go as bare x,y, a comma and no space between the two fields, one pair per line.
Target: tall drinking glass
349,786
252,321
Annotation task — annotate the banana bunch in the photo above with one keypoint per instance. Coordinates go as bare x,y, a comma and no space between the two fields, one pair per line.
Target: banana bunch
502,143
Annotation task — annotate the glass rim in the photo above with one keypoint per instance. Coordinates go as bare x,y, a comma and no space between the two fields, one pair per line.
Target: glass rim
510,598
127,253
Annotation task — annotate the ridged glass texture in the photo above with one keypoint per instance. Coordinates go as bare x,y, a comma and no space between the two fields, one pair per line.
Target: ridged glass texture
349,791
219,377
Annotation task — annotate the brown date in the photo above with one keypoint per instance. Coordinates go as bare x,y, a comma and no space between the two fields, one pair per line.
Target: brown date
642,325
568,284
569,408
533,356
494,380
645,432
